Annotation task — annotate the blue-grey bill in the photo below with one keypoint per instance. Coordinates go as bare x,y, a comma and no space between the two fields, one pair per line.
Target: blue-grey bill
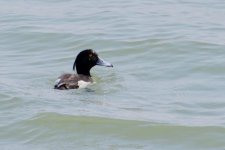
102,62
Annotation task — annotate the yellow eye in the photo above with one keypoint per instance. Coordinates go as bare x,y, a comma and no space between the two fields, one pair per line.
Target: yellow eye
90,57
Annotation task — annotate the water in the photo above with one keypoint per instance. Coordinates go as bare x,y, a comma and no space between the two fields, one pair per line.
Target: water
166,90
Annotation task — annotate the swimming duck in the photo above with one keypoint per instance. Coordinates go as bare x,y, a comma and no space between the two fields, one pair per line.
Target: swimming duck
84,61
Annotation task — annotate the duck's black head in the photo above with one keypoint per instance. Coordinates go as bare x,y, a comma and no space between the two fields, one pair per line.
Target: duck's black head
87,59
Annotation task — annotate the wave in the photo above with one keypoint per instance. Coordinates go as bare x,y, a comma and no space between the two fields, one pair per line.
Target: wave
47,127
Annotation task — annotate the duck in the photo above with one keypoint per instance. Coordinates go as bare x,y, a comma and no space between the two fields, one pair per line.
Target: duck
83,63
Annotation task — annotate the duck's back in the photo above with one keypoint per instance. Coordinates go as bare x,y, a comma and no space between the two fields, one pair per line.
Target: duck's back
72,81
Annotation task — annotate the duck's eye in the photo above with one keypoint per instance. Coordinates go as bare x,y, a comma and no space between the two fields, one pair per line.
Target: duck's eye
92,57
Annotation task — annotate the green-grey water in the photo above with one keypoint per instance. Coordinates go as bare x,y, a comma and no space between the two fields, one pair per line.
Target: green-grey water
166,90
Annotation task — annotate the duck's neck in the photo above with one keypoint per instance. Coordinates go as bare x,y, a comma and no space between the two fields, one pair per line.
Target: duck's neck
83,70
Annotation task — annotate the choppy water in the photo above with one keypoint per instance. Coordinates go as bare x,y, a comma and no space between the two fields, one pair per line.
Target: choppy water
166,90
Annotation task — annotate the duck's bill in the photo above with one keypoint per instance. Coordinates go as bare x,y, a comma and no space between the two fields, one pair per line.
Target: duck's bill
102,62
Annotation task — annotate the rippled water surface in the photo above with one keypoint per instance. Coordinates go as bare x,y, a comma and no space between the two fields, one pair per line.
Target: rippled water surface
166,90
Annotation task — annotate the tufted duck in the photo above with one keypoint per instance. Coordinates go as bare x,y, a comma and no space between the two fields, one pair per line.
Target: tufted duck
85,60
